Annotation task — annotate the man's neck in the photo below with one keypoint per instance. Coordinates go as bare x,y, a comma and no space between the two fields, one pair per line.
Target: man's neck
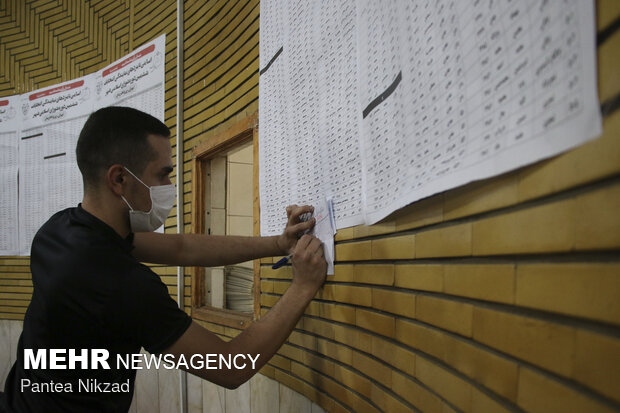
101,208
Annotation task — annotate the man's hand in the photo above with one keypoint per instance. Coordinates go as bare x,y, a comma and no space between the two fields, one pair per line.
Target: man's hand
287,241
309,265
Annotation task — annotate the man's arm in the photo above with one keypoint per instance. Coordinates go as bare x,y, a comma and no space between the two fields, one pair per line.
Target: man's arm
264,337
215,250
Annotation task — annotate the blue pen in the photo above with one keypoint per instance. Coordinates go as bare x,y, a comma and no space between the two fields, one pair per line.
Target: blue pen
282,262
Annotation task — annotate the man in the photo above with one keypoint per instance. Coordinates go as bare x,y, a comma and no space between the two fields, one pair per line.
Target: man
91,292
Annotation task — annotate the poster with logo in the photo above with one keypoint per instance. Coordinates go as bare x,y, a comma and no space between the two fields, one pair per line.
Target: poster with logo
136,80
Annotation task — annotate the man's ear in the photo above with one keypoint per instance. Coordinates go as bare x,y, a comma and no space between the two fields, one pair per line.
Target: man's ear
116,179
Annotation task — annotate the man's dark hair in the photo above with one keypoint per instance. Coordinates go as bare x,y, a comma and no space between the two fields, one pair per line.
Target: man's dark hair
116,135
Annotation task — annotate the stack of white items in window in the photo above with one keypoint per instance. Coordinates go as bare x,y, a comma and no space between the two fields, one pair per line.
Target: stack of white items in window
239,282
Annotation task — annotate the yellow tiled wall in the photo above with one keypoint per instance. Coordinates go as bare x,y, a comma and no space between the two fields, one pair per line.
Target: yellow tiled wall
502,295
239,192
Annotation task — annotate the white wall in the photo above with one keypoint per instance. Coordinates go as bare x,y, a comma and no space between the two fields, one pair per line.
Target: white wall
9,334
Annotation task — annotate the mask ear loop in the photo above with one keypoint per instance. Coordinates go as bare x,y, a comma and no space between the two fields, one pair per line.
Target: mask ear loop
130,208
139,180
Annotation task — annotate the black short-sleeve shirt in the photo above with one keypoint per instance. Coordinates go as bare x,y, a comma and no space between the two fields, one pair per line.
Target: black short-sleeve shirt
89,293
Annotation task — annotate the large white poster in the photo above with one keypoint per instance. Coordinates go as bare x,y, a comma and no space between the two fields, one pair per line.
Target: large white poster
39,132
9,125
479,88
48,176
309,137
397,101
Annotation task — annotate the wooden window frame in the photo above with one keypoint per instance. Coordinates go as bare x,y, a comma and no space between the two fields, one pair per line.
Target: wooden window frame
243,131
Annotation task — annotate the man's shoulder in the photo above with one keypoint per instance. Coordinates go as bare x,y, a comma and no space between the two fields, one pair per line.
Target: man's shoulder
71,228
58,224
57,227
59,218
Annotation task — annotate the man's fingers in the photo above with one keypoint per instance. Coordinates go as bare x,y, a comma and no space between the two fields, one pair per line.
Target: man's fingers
289,210
297,212
309,244
303,243
316,246
302,226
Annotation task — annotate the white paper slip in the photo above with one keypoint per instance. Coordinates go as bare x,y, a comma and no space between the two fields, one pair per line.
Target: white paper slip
325,229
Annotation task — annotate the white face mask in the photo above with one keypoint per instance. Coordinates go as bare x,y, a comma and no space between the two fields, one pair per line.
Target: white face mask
162,201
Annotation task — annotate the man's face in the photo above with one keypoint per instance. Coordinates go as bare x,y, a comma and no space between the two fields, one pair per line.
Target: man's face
157,172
